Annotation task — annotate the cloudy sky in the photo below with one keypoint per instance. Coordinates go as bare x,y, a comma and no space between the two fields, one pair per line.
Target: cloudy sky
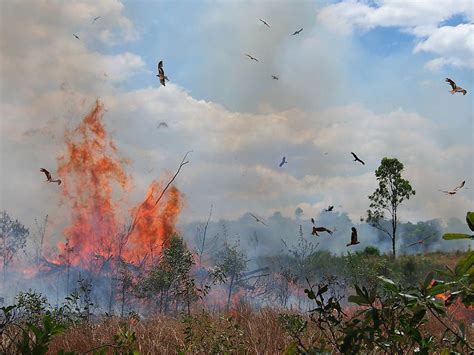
362,76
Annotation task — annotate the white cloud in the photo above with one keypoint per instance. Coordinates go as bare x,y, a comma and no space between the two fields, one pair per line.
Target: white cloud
423,19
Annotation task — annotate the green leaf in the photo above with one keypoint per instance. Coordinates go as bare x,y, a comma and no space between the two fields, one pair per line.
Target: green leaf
453,236
388,284
470,220
360,300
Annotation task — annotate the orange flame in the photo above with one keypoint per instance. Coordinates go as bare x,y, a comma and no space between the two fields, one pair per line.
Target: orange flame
93,173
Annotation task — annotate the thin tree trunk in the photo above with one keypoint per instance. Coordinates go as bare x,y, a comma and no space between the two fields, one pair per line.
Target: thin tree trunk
230,291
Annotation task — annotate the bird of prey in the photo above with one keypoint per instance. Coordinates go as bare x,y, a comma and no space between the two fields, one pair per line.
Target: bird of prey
356,158
419,241
283,161
455,190
252,58
297,32
312,220
95,19
354,240
258,220
77,37
161,73
264,22
48,176
320,229
274,77
329,209
162,124
455,87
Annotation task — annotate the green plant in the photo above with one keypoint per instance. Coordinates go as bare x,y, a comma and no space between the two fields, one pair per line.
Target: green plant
36,338
470,223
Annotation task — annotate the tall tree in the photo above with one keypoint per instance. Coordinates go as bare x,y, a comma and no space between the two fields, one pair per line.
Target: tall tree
13,236
392,191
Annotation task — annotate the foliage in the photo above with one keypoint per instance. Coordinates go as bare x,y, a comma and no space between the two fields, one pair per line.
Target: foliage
392,191
13,236
470,223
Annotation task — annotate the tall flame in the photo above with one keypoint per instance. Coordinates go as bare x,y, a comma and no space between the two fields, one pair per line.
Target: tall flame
94,181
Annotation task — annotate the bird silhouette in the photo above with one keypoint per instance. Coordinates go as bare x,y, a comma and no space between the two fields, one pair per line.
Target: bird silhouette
356,158
264,22
354,240
162,124
329,209
258,220
77,37
419,241
283,161
252,58
455,87
312,220
95,19
48,176
297,32
274,77
455,190
161,73
320,229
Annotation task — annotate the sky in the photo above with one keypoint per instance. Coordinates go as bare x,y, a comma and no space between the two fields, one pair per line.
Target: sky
362,76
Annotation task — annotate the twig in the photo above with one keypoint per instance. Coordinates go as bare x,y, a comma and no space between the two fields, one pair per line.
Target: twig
452,331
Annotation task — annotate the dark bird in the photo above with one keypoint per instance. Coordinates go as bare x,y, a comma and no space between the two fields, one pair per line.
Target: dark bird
258,220
274,77
95,19
354,240
252,58
312,220
297,32
356,158
162,124
161,73
320,229
420,241
455,190
75,36
455,87
283,161
48,176
264,22
329,209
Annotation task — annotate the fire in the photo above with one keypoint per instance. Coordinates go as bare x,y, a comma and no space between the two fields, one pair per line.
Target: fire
94,182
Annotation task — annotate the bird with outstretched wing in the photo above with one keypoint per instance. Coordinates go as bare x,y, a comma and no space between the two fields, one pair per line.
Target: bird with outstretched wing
354,240
419,241
283,162
251,57
297,32
356,158
320,229
161,74
264,22
48,176
258,220
455,88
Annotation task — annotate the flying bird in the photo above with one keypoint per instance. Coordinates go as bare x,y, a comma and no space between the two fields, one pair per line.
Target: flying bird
354,240
75,36
455,190
356,158
297,32
320,229
264,22
258,220
161,73
329,209
162,124
312,220
48,176
419,241
95,19
283,161
274,77
252,58
455,87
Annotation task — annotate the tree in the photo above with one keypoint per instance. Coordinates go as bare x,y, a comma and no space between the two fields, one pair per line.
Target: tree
392,191
232,263
13,237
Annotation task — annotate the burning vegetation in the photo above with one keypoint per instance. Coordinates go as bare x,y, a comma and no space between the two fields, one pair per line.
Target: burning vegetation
95,186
